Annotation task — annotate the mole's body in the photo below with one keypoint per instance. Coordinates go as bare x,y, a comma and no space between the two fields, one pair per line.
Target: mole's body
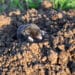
29,33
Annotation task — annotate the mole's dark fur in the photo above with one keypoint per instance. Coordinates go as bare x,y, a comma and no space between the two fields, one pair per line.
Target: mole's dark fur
31,31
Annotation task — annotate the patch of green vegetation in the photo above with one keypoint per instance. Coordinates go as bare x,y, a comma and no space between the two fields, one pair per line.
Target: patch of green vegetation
1,5
33,3
1,10
11,4
64,4
16,4
19,4
2,1
57,4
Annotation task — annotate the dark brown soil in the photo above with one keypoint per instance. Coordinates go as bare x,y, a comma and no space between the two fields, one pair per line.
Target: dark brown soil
55,55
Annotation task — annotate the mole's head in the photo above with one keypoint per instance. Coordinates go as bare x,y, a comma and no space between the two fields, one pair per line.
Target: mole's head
34,32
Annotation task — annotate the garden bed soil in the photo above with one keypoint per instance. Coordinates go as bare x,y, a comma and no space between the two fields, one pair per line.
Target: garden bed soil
55,55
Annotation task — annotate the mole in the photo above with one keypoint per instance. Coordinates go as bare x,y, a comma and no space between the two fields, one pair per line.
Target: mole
29,33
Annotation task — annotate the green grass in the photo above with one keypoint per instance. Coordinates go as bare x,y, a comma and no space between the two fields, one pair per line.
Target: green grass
64,4
12,4
16,4
2,1
19,4
57,4
33,3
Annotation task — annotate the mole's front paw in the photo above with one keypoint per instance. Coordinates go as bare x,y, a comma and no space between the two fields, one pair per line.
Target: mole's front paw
30,39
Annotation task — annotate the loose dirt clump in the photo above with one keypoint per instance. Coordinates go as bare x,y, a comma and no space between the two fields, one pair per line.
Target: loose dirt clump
46,4
4,20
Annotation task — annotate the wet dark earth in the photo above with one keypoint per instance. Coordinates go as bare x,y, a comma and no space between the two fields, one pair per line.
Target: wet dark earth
54,55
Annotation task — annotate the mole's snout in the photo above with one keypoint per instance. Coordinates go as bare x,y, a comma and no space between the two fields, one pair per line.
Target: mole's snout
39,37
